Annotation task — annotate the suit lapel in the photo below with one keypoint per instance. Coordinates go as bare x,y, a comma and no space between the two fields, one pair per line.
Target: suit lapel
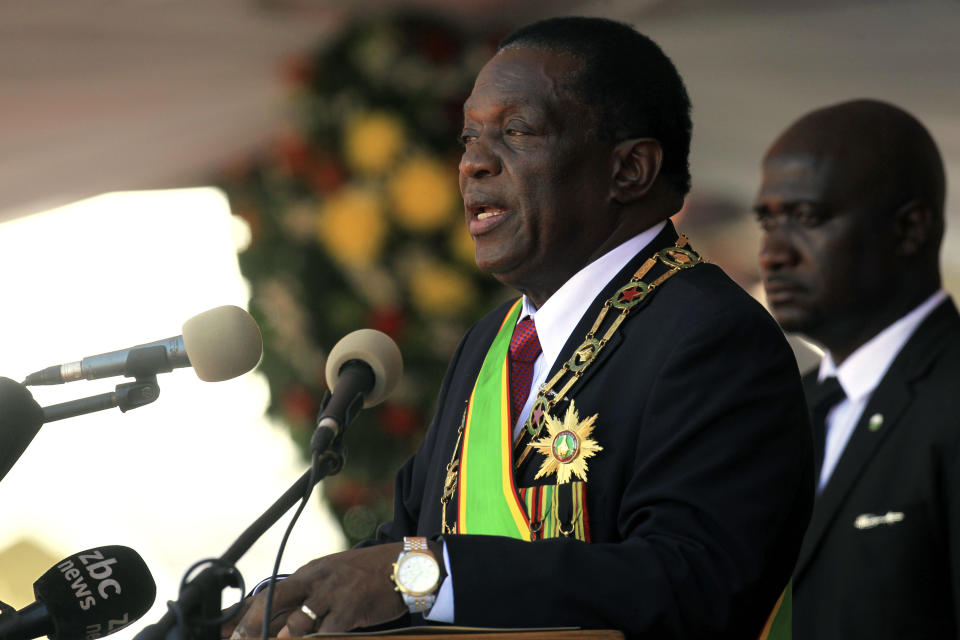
889,400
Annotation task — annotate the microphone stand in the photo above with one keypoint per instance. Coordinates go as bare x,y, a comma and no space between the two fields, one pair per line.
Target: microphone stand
142,364
196,614
126,396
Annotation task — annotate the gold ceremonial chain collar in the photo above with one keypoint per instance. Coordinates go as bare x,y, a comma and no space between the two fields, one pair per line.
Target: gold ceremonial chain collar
677,258
626,298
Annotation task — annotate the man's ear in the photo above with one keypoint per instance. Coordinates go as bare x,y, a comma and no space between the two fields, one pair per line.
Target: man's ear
636,165
914,224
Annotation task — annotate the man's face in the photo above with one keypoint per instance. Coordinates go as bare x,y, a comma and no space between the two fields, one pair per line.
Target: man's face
534,179
826,253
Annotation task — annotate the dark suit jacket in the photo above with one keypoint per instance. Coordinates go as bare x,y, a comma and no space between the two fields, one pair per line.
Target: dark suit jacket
899,579
699,499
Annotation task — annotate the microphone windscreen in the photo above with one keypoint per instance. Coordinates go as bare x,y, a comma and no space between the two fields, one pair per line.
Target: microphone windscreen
20,420
222,343
378,351
96,592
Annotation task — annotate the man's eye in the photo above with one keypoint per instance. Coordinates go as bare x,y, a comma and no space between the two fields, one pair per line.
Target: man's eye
765,221
515,132
466,137
808,217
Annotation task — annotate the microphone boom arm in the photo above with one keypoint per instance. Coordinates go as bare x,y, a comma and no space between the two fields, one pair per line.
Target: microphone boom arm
202,595
126,396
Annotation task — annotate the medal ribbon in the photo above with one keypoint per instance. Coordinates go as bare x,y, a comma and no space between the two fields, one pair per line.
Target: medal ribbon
488,502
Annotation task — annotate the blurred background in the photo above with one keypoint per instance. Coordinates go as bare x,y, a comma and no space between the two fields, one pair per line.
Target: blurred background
297,157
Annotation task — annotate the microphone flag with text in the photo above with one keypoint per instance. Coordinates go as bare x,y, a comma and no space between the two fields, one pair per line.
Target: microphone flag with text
220,343
86,595
20,420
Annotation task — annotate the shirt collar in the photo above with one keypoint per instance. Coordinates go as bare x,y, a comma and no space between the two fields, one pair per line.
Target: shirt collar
862,371
559,315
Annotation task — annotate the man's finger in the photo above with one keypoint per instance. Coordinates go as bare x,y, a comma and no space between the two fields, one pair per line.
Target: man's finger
226,629
253,628
286,598
304,620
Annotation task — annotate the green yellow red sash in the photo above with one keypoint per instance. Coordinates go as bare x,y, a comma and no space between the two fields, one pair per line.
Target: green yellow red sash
488,502
779,624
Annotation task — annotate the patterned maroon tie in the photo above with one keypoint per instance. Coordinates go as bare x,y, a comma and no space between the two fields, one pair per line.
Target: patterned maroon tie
524,349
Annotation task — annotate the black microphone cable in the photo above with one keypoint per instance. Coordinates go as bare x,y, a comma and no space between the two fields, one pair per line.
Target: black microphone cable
365,387
268,608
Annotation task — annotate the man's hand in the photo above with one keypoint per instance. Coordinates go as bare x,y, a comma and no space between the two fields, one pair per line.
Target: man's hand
345,590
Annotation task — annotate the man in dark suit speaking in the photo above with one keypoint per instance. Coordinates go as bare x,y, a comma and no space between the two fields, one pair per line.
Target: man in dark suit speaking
626,446
851,208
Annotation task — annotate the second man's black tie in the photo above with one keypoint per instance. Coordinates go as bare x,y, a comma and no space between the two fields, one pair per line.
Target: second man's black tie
827,395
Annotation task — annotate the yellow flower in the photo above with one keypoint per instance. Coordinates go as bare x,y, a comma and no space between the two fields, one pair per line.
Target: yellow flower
423,194
437,289
351,226
372,141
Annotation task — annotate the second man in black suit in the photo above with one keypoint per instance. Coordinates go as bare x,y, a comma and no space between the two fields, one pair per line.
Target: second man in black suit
851,208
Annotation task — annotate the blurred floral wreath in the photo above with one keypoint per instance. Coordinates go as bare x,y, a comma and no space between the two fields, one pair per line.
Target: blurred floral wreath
356,221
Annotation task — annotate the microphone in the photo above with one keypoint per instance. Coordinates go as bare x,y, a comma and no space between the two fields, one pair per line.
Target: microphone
219,344
20,420
365,366
87,595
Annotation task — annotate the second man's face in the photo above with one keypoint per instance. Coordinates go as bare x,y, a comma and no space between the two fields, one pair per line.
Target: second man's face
822,254
534,177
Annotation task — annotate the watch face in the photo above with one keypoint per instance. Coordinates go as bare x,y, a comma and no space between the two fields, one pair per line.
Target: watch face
417,573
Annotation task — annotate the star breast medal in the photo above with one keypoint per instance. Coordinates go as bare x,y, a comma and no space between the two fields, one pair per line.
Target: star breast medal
567,446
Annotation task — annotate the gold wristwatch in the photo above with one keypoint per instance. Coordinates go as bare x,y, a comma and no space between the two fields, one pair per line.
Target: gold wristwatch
417,575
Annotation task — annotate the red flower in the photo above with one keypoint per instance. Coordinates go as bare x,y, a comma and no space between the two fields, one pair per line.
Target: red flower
299,405
292,152
389,320
400,420
326,176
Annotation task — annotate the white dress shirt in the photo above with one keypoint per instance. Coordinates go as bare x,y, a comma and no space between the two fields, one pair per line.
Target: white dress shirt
860,374
561,313
555,321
